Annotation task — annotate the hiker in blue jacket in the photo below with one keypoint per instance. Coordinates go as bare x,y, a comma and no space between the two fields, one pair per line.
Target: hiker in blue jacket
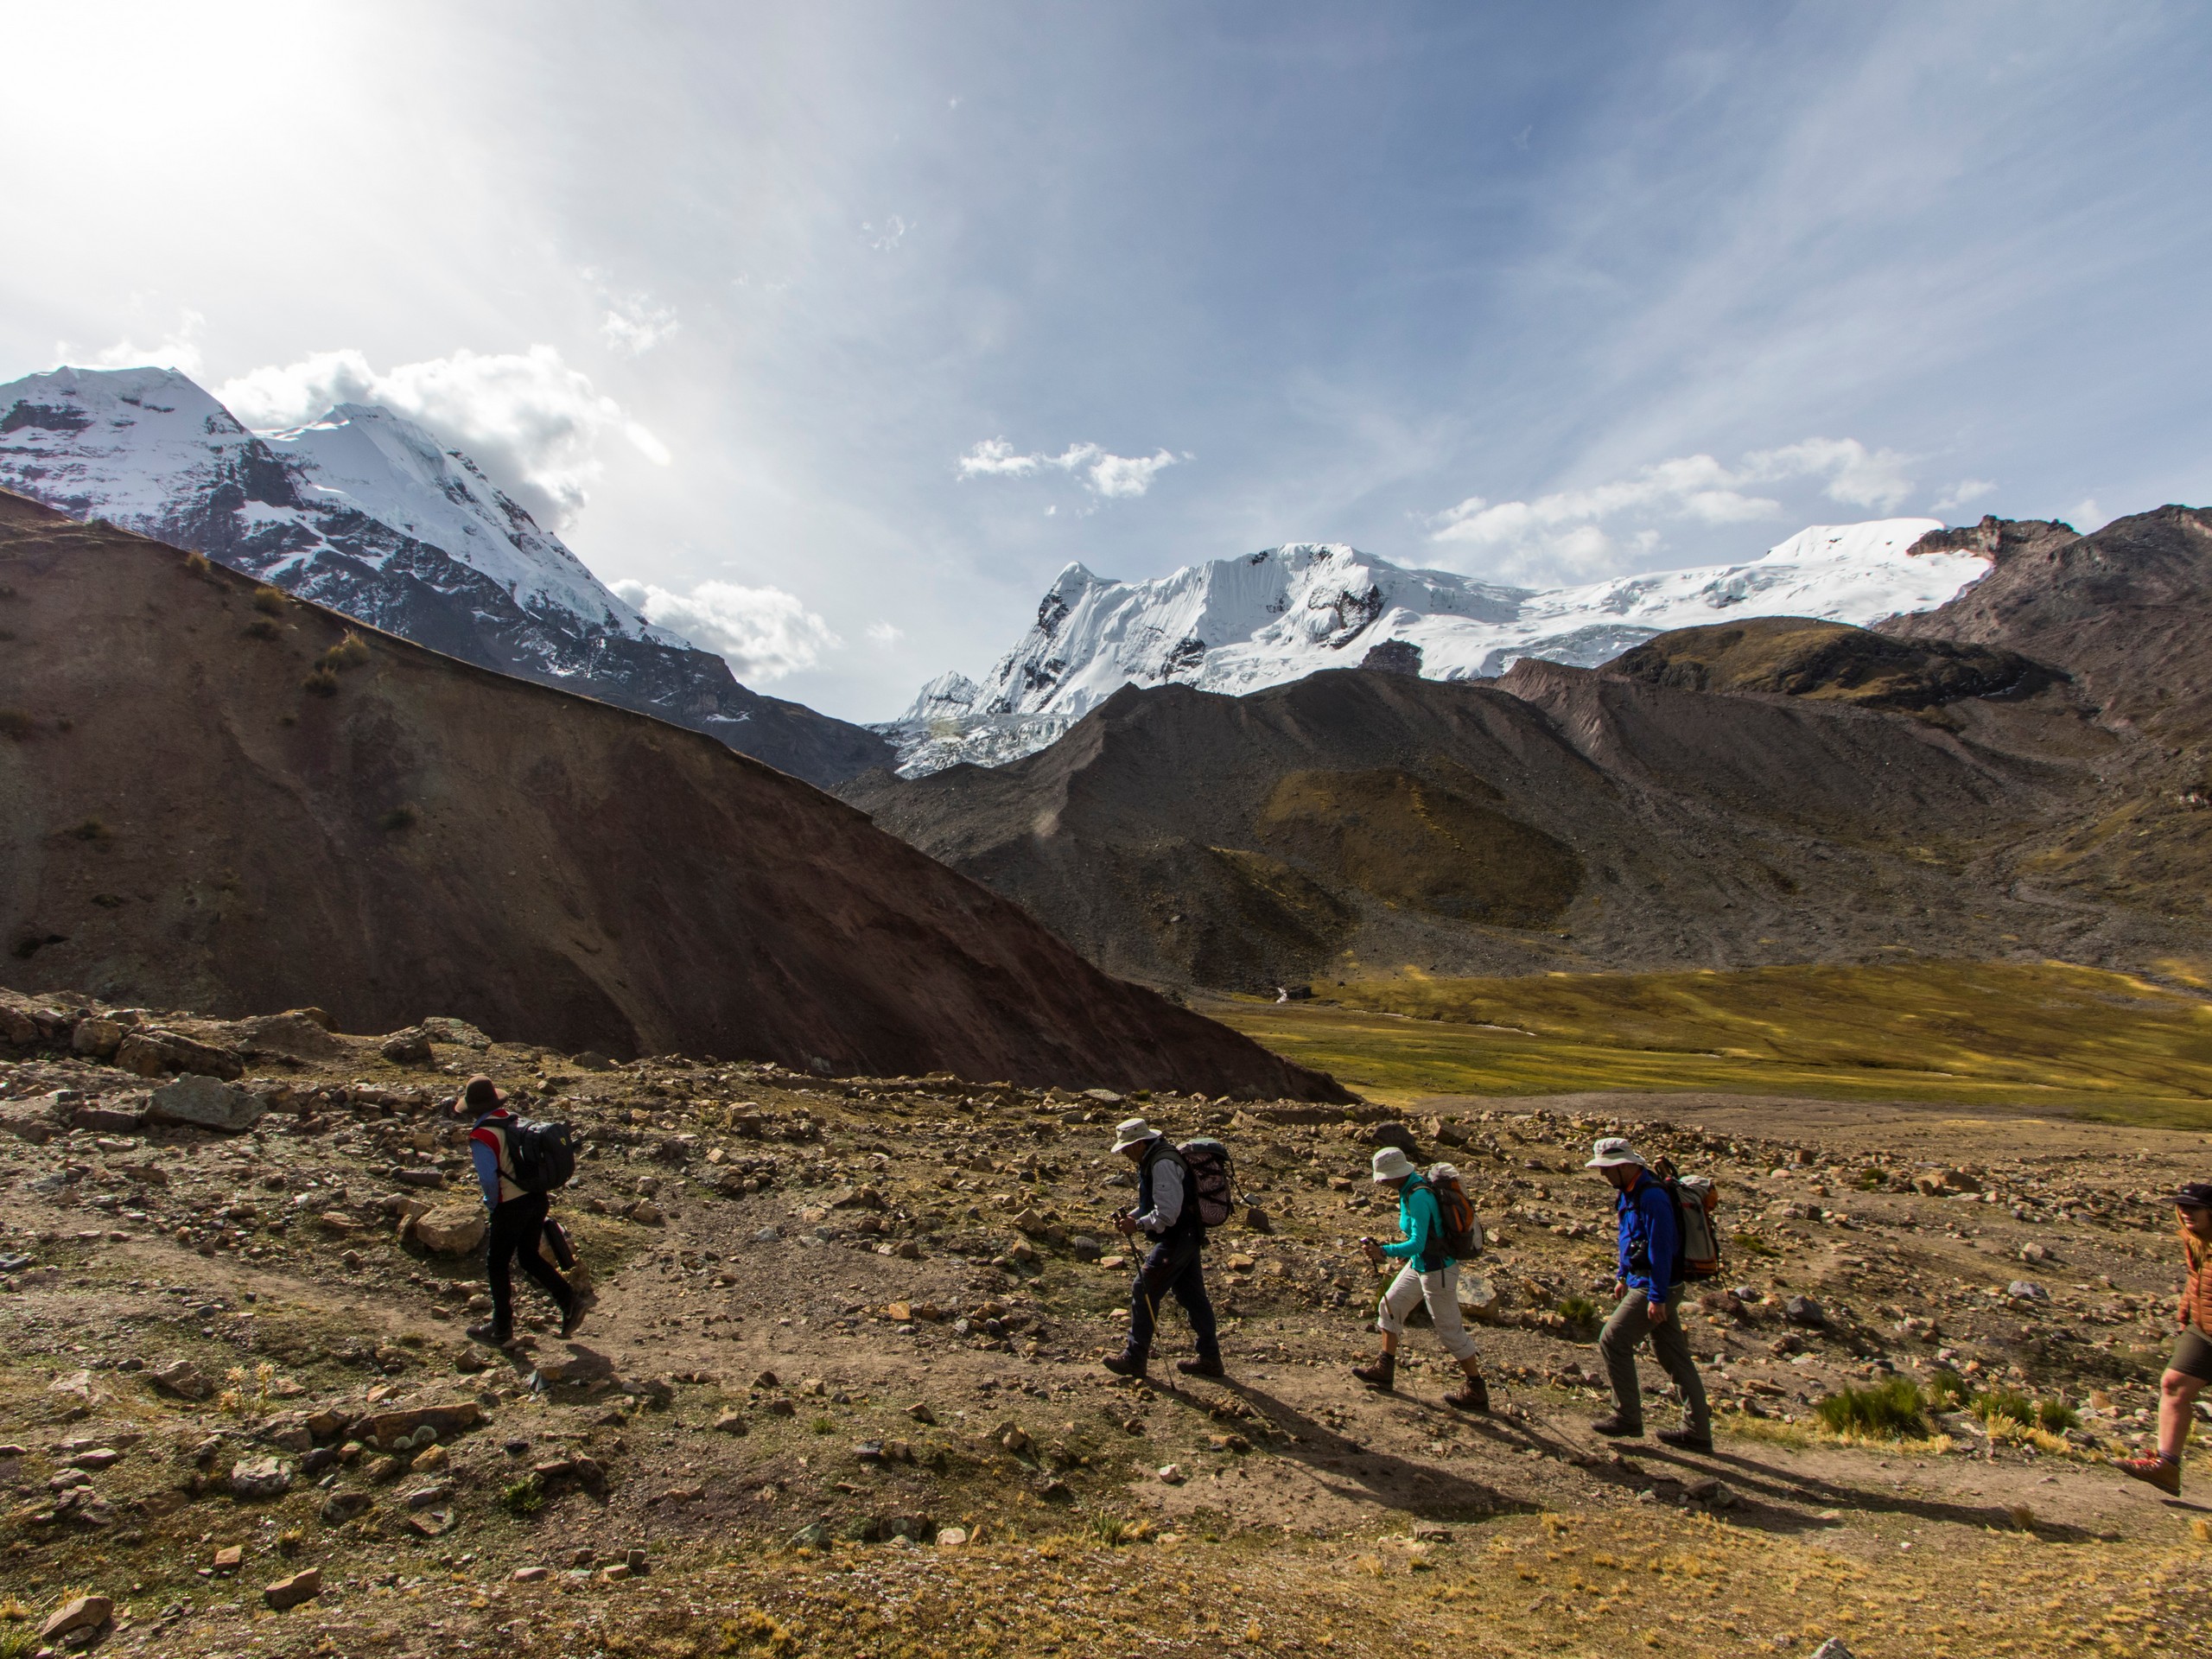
1649,1281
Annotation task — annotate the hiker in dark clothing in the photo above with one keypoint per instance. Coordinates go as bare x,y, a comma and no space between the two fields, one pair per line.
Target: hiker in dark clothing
1649,1284
517,1218
1167,1212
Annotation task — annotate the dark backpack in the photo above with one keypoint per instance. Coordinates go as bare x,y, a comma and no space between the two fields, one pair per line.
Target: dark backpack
1460,1232
1212,1179
541,1157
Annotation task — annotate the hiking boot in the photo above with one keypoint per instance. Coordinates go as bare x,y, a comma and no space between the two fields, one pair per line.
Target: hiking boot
572,1319
1686,1439
1473,1396
2164,1473
1124,1364
1615,1427
1382,1376
490,1335
1201,1366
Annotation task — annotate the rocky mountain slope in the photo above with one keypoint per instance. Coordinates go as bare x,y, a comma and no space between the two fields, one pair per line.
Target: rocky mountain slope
219,796
1781,791
1239,625
839,1391
367,513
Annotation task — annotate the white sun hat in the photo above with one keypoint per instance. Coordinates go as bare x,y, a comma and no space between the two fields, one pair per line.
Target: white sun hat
1132,1130
1612,1151
1391,1164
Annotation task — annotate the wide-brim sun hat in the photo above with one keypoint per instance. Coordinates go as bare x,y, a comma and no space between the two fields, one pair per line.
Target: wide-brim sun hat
479,1094
1132,1130
1612,1151
1391,1164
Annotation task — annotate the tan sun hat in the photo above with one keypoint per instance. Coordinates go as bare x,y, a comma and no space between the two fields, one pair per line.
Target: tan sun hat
1612,1151
1391,1164
1132,1130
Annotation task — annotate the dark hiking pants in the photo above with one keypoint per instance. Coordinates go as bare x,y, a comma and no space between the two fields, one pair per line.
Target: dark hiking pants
1175,1266
513,1235
1670,1346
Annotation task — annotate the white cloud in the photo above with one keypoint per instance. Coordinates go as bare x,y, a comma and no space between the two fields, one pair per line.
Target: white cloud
2087,516
892,233
635,324
178,349
884,633
764,633
1965,490
528,418
1103,474
1564,535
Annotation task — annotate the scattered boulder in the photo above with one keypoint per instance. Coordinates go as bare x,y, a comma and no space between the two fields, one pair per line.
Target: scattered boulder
2026,1290
409,1047
200,1100
1803,1310
98,1038
303,1585
412,1429
301,1034
449,1229
81,1613
344,1506
183,1379
260,1480
152,1051
1944,1183
1395,1135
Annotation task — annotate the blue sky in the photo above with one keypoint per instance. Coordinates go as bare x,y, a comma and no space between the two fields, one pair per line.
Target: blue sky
840,328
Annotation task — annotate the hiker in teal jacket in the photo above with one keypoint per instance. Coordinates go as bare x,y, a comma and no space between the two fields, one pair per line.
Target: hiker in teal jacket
1428,1275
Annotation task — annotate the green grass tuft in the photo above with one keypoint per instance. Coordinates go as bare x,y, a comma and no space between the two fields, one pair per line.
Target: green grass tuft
524,1496
1891,1410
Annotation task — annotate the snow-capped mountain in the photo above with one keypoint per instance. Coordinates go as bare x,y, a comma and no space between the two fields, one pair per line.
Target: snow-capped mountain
366,513
1237,624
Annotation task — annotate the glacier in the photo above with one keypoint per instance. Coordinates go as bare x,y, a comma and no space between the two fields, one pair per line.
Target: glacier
1237,625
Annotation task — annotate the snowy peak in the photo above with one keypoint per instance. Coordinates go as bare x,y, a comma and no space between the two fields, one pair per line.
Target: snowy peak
1237,625
383,466
149,450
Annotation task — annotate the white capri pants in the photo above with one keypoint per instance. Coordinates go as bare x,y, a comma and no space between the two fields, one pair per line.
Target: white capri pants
1441,1292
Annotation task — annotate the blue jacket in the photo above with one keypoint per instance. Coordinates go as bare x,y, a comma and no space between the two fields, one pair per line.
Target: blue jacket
1422,1223
1650,1251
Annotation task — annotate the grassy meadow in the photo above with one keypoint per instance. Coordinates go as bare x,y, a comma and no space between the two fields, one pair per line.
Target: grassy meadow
2047,1035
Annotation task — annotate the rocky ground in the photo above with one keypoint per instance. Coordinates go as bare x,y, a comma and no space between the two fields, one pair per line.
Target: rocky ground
839,1392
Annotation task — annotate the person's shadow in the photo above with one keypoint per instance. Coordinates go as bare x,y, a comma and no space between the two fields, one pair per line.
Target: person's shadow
1349,1469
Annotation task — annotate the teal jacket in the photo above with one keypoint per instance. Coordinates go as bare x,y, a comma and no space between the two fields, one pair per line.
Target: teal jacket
1422,1223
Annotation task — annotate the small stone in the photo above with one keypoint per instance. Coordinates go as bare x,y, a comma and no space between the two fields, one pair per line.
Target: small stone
83,1613
261,1480
531,1574
1803,1310
2026,1290
1242,1264
1832,1649
732,1422
920,1411
205,1103
449,1230
98,1038
1084,1248
410,1047
229,1558
951,1537
153,1053
431,1524
816,1536
423,1496
615,1572
304,1586
341,1507
1170,1474
646,1213
428,1458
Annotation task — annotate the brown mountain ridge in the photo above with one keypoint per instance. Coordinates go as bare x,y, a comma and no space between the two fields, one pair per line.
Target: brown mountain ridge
214,796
